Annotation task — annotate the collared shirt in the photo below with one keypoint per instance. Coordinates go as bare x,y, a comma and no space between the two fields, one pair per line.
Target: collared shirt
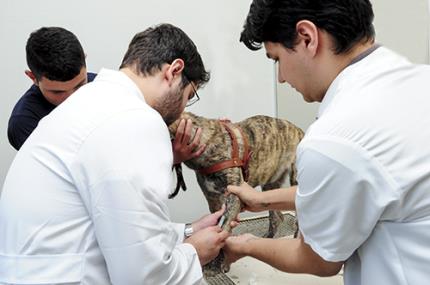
91,208
364,172
27,113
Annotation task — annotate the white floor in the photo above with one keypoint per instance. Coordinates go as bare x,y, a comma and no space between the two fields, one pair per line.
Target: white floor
249,271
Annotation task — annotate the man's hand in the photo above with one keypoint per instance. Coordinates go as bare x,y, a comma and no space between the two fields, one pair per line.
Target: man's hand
208,243
208,220
236,247
251,198
212,220
185,148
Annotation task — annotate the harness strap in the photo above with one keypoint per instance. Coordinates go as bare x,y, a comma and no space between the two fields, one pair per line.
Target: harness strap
235,160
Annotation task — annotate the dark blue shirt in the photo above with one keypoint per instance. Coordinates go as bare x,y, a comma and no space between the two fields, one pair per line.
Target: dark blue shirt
27,113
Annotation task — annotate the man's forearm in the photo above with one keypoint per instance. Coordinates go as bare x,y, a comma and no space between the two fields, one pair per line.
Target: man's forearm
290,255
279,199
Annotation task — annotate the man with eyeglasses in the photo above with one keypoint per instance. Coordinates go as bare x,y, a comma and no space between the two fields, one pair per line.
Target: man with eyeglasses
92,209
194,96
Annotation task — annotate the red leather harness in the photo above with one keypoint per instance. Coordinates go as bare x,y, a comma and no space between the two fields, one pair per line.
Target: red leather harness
235,160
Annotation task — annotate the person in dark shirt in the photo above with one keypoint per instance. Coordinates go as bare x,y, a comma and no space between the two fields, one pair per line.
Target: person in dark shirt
57,67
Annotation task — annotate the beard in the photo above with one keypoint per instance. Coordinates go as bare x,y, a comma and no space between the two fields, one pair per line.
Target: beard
170,105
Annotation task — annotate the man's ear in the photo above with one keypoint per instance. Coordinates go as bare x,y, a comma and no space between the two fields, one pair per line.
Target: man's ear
308,36
31,76
174,70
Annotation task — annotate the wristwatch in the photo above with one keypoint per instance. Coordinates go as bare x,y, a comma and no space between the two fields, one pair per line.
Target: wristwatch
188,231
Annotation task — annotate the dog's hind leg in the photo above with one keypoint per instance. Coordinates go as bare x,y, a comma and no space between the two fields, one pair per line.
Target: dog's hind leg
275,220
293,181
275,217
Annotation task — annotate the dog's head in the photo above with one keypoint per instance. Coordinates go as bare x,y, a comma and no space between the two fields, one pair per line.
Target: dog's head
174,126
218,149
211,136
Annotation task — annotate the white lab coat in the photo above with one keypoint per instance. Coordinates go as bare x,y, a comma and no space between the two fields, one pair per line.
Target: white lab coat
84,199
364,172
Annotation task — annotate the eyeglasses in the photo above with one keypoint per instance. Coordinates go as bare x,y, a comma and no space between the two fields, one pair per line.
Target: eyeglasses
194,97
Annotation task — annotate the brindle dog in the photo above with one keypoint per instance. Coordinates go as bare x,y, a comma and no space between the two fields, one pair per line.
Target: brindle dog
272,143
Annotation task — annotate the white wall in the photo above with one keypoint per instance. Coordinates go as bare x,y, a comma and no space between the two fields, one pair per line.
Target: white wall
400,25
241,84
242,81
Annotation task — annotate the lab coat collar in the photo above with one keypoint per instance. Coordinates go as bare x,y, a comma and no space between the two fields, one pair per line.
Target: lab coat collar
115,76
337,83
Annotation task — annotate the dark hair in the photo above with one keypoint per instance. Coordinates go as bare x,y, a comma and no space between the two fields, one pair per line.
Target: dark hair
162,44
54,53
347,21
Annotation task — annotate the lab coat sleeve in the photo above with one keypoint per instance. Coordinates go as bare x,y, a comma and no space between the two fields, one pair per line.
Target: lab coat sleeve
341,196
124,173
180,229
136,238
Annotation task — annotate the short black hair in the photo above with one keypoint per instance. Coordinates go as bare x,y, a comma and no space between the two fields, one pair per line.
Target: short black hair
161,44
347,21
54,53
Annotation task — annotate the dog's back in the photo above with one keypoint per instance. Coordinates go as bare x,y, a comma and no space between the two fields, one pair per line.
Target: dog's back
273,143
